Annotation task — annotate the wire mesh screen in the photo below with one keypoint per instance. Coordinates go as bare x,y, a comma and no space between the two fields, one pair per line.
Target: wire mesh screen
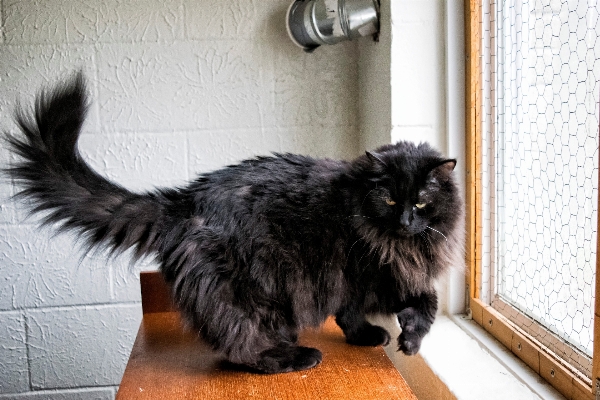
541,159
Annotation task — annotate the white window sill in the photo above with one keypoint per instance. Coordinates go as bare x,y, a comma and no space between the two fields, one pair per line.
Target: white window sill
459,360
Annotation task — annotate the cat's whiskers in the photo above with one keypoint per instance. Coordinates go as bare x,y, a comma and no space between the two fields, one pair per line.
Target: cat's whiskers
361,206
361,257
351,247
380,248
360,216
435,230
365,199
423,234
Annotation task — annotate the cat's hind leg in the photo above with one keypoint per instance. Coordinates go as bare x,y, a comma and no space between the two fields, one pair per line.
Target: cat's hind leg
246,333
287,358
247,341
229,310
358,330
284,355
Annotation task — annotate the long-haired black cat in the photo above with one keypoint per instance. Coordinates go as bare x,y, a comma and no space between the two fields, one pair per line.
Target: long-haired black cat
255,252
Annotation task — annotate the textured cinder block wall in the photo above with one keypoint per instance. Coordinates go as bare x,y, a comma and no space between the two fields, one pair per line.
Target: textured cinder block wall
177,87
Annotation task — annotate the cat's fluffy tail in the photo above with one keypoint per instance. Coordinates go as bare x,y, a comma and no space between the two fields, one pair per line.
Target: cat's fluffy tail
53,175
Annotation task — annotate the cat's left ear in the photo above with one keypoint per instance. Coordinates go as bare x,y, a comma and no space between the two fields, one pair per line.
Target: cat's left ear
441,173
375,158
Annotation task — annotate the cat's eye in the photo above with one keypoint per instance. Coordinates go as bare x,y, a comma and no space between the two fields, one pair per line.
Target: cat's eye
390,202
420,206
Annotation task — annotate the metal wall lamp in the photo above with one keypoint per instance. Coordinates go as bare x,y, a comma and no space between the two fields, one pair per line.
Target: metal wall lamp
312,23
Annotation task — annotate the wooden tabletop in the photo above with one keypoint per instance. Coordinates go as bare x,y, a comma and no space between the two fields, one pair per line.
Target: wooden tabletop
168,362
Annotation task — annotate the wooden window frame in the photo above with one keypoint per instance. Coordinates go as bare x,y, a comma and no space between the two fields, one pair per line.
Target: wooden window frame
533,353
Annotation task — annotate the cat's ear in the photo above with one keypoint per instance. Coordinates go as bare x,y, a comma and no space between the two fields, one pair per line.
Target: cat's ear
441,172
375,159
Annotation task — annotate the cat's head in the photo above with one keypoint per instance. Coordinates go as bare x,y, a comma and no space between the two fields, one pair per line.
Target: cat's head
407,189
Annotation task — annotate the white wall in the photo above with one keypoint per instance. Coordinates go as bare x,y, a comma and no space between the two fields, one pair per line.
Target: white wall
375,85
404,78
418,72
178,87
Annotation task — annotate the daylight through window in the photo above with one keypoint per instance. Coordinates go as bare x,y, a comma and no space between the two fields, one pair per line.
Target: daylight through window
541,74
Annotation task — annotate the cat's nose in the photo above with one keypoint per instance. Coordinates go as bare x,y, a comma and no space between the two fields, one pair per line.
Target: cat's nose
405,218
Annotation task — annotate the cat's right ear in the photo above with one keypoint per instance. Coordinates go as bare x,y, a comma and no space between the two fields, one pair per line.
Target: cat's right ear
441,173
375,159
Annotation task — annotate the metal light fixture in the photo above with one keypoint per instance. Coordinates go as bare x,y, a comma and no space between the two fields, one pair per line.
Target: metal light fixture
311,23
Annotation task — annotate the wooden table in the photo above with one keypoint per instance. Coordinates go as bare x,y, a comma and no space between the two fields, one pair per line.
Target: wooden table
168,362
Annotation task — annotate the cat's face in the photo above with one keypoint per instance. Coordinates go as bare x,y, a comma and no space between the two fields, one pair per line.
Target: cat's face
409,190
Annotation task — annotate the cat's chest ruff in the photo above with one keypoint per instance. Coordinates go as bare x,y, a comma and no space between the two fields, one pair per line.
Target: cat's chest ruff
411,265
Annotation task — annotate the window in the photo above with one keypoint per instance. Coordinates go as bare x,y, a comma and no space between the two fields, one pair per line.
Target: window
533,95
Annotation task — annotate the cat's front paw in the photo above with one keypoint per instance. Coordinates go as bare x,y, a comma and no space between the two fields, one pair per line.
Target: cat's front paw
414,327
409,343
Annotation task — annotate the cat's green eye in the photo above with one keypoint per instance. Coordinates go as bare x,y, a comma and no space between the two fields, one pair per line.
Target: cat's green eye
420,206
390,202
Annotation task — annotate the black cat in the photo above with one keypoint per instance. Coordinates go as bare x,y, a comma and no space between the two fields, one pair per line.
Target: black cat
256,251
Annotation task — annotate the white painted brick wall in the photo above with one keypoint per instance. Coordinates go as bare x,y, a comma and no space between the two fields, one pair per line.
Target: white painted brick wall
13,352
90,343
178,87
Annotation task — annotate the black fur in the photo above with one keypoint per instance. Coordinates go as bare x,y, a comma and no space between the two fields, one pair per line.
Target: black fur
256,251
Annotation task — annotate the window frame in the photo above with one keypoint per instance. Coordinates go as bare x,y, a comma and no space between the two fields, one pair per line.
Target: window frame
534,354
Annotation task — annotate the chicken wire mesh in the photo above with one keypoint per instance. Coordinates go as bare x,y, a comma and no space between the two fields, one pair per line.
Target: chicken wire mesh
541,66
